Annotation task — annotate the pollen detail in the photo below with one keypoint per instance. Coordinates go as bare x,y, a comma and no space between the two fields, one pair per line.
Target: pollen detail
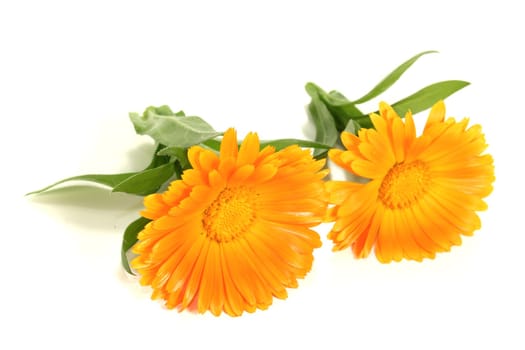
230,214
404,184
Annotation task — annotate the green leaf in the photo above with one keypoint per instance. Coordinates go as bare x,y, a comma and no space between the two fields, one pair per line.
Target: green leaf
325,129
110,180
158,159
428,96
181,154
343,112
160,169
390,79
140,183
283,143
172,130
341,109
422,99
147,181
338,98
119,180
130,238
162,110
324,122
213,144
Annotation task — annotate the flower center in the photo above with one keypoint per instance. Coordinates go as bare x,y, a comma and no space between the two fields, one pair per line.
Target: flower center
404,184
230,214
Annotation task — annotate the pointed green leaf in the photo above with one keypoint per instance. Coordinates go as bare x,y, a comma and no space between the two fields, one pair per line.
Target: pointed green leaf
390,79
422,99
147,181
172,130
140,183
130,238
110,180
428,96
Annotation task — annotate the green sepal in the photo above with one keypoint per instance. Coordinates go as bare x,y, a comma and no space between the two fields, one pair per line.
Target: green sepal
130,238
352,127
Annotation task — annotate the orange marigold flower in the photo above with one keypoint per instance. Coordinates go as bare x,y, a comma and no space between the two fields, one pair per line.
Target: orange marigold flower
423,192
235,231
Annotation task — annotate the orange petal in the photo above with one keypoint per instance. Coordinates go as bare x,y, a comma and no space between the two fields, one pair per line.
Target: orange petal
229,147
437,114
249,150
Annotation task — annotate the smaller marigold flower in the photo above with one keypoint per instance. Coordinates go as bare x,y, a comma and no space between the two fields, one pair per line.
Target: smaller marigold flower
234,232
423,192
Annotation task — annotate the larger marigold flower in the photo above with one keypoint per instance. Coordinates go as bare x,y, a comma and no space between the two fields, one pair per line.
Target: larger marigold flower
235,231
423,192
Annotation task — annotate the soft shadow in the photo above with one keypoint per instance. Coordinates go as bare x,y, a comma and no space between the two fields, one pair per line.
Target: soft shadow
86,196
87,206
308,126
139,157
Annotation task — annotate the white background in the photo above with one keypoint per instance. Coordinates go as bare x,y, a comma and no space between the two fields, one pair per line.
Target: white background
71,71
